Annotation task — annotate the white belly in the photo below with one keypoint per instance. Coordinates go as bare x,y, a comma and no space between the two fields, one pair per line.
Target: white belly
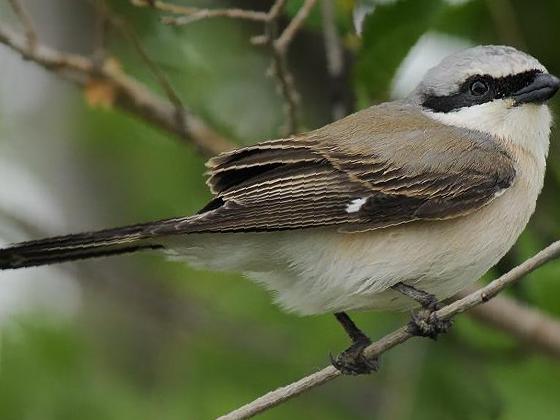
317,271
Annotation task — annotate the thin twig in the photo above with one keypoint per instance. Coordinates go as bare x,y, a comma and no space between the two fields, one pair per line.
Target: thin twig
199,14
279,48
397,337
26,21
276,10
286,86
158,74
100,34
192,14
295,25
189,11
278,45
279,68
131,95
163,6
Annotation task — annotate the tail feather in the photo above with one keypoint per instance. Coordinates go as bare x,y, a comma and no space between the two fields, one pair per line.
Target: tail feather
80,246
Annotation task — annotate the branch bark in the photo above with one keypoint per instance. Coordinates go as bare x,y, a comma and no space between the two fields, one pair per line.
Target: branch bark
131,95
26,22
399,336
278,43
192,14
294,26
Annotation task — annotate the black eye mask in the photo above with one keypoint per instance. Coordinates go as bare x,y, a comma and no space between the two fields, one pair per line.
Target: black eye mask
479,89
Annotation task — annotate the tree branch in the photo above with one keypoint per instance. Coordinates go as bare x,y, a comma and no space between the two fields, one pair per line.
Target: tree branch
26,22
530,326
130,94
159,75
192,14
199,14
294,26
278,44
279,69
399,336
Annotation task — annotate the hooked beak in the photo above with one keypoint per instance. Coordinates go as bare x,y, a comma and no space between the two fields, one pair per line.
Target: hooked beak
541,89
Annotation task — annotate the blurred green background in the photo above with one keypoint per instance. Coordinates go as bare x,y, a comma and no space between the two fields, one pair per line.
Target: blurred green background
139,337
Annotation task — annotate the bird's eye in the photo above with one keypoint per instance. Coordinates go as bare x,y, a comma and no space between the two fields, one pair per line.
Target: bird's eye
479,88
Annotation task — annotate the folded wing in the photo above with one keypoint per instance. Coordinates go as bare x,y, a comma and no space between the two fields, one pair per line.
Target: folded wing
365,172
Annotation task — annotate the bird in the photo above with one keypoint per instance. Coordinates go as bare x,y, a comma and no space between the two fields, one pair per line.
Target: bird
401,204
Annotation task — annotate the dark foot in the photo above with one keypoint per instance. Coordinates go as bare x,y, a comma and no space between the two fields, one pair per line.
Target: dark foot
353,362
425,323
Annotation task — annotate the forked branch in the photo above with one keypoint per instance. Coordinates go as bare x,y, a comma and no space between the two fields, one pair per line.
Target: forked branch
130,94
277,42
26,21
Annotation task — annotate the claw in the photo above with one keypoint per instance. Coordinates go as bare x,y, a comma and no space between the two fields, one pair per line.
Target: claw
425,323
353,362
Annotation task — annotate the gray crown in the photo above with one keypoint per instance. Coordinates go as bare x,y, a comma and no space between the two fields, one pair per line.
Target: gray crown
494,60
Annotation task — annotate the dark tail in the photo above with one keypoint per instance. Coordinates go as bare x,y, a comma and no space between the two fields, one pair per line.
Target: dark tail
85,245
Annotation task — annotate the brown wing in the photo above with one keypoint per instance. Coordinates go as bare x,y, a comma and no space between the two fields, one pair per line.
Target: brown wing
360,173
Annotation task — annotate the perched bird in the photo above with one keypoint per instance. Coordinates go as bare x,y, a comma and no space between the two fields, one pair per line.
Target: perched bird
403,202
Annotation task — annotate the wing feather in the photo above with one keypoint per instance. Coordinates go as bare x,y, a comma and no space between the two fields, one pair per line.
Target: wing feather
400,173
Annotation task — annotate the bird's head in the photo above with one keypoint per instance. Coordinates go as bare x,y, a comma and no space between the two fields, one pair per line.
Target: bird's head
495,89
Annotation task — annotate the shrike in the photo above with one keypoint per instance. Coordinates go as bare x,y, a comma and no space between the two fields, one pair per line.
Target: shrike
404,202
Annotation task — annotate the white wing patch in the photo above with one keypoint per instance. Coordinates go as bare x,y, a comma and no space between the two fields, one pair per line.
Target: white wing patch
500,193
355,205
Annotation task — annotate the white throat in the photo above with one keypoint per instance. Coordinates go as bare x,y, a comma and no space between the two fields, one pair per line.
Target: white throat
526,126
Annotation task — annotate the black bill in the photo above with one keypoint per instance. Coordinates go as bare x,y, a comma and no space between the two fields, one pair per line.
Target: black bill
542,88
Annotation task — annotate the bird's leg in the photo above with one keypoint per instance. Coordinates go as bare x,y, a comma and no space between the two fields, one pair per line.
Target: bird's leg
427,300
352,360
424,322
